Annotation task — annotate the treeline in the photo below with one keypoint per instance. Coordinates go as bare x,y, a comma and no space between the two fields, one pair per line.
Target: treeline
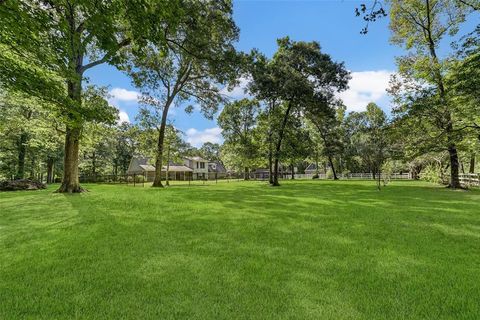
433,130
181,54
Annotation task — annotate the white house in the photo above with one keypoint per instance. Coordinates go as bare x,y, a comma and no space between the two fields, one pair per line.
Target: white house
198,165
192,168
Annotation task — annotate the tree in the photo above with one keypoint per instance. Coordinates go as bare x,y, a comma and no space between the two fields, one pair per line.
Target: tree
210,151
199,58
28,136
69,38
174,144
297,144
298,74
329,131
126,143
238,120
419,26
370,138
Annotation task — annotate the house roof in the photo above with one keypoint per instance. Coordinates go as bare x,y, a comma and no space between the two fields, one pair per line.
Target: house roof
147,167
311,166
196,159
139,164
177,168
219,167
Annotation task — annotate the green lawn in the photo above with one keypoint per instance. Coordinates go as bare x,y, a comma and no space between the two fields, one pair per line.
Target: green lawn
306,250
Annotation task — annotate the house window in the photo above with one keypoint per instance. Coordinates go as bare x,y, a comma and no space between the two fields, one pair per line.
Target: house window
197,165
202,165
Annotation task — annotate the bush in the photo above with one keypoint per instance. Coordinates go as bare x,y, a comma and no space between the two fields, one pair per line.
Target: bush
315,176
329,174
433,173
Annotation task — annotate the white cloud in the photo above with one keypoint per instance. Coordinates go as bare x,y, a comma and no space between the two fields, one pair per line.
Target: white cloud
123,95
198,137
365,87
123,117
238,92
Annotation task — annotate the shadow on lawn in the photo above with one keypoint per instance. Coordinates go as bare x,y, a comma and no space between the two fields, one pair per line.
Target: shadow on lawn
303,250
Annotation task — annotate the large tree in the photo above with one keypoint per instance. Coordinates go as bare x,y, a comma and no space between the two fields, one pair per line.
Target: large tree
420,26
298,74
197,60
370,138
238,120
61,40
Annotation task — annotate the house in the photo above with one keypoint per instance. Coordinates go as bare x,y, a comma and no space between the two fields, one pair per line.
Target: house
312,169
198,165
140,166
216,170
283,171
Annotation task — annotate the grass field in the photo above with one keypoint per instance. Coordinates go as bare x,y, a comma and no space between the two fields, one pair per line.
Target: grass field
239,250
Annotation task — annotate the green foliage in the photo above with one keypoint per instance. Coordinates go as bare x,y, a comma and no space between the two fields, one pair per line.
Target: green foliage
238,121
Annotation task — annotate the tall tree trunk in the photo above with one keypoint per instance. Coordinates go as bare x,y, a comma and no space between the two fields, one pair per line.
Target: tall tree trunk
270,159
50,163
454,166
32,166
94,166
472,163
246,174
279,145
22,150
293,171
70,181
452,150
157,182
333,168
167,180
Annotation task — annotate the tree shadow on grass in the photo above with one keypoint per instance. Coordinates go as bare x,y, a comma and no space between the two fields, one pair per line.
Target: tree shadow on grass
304,250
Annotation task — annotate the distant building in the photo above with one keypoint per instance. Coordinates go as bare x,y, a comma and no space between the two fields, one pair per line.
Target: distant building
195,168
312,169
216,169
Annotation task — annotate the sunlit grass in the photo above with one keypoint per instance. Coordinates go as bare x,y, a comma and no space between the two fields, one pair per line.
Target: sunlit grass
306,250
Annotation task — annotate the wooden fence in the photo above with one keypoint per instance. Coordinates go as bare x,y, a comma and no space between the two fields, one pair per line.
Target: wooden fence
470,179
355,176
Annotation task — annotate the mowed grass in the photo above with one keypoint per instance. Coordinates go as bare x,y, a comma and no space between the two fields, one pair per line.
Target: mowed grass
242,250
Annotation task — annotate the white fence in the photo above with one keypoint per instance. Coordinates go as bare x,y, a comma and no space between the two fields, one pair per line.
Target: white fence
470,179
354,176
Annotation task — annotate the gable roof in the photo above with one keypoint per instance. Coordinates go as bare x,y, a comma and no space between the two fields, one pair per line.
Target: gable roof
177,168
139,164
219,167
196,159
311,167
147,167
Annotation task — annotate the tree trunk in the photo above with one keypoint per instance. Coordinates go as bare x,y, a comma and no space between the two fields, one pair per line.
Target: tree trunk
293,171
270,160
472,164
70,182
454,166
333,168
157,182
167,180
50,163
246,174
22,150
32,167
94,166
279,145
379,178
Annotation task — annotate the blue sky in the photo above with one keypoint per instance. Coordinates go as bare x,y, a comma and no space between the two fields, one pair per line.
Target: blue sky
332,23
